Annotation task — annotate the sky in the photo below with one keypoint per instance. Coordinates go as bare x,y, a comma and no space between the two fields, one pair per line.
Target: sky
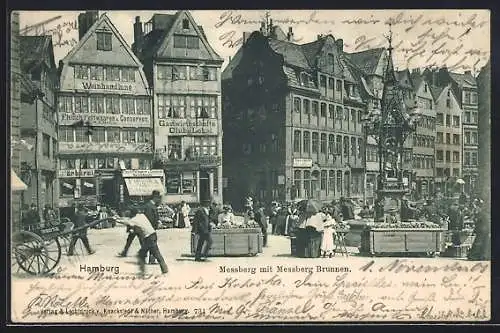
458,39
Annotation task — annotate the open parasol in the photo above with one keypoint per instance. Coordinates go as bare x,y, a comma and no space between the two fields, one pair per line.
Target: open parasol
460,181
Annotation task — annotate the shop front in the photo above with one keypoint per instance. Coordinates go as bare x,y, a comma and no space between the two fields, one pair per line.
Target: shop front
77,187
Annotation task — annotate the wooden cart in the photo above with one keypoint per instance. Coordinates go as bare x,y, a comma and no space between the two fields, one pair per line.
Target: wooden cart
233,242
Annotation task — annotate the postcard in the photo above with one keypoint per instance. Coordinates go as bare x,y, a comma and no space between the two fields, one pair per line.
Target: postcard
190,166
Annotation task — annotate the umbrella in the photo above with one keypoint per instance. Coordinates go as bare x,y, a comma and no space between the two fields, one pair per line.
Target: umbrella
460,181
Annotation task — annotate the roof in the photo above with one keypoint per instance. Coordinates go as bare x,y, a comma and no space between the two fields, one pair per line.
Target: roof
367,60
292,53
436,92
311,50
33,49
417,79
227,73
464,80
404,78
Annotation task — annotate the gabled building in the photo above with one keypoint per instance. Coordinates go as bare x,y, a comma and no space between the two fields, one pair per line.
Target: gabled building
293,117
105,121
448,146
184,71
38,121
464,86
484,129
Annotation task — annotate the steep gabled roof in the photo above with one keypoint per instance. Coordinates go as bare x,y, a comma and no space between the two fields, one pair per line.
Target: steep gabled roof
436,91
33,51
404,78
311,50
417,80
103,19
464,80
227,73
292,53
367,60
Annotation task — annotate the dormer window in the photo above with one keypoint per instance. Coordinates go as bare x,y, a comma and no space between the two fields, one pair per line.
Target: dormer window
185,24
425,87
304,79
330,62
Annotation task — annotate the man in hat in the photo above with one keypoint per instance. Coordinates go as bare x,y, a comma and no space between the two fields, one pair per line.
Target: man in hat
203,228
151,212
80,221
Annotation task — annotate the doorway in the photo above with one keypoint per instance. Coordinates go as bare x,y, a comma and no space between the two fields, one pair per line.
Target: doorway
108,195
204,186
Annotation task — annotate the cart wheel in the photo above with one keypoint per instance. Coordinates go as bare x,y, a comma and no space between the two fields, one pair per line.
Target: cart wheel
34,255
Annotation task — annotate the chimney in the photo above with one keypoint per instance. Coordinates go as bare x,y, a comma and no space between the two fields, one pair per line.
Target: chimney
86,20
340,45
435,78
263,28
138,35
289,36
468,73
319,37
246,35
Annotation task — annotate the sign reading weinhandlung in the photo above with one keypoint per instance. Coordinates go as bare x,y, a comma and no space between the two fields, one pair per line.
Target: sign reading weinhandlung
190,126
109,147
99,119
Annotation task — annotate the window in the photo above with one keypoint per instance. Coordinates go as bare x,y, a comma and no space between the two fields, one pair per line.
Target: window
346,146
448,156
323,109
339,182
66,134
307,142
353,118
448,139
474,138
68,186
296,141
205,146
323,144
456,156
425,87
353,146
466,97
96,104
304,79
315,109
448,120
315,142
128,136
330,62
82,72
112,74
467,117
185,24
98,134
474,158
338,85
439,155
66,104
439,172
323,179
448,103
97,73
439,119
143,135
339,113
456,139
164,72
113,104
113,134
179,73
467,138
331,111
296,104
474,117
81,134
331,181
142,106
189,42
128,74
456,121
306,106
360,144
439,137
104,41
467,158
339,145
128,105
331,144
46,145
456,172
65,164
81,104
87,163
322,81
307,183
473,96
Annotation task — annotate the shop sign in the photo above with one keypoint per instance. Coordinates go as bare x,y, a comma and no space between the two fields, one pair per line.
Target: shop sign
103,86
122,120
189,126
71,173
142,173
109,147
302,163
208,160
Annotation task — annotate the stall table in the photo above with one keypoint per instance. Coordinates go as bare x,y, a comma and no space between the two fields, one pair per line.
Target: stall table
233,242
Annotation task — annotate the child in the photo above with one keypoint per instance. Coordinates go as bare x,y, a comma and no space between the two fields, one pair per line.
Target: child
328,234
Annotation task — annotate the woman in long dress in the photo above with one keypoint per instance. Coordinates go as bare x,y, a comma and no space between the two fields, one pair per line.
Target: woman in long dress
328,235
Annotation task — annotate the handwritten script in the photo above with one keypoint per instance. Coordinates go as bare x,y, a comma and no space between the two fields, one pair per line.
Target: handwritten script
423,38
62,32
370,290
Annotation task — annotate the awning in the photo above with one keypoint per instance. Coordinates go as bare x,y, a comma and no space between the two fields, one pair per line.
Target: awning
16,184
144,186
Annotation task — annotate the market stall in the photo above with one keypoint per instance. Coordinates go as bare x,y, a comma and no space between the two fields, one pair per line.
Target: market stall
235,241
402,238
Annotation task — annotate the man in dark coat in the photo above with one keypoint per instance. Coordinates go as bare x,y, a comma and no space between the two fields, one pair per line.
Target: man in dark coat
347,209
202,227
456,222
151,212
80,221
261,219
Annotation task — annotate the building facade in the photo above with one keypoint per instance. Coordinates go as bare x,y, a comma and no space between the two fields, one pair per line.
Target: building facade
484,129
105,122
184,71
38,121
294,115
449,140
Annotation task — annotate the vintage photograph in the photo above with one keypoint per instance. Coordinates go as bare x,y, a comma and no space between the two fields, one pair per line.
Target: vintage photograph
277,166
